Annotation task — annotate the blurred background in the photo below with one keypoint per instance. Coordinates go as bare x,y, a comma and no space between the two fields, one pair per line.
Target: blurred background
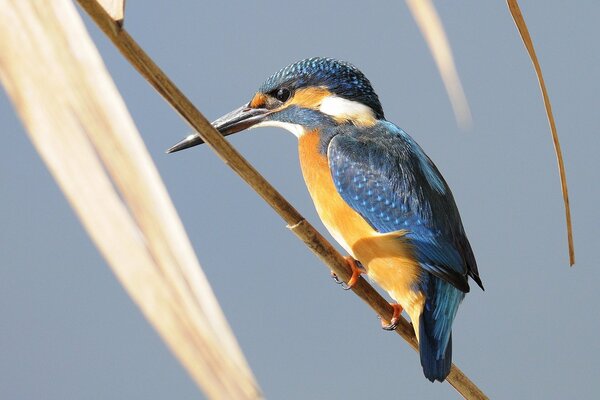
69,331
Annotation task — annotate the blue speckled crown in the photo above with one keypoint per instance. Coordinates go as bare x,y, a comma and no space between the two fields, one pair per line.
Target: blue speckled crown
339,77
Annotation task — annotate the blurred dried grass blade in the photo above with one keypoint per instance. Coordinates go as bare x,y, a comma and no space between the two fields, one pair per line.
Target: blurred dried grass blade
515,11
431,27
114,8
82,130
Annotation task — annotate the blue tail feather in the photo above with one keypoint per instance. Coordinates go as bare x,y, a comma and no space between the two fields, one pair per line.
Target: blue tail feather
434,368
435,327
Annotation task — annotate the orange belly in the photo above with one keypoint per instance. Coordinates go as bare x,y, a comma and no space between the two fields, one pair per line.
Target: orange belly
388,259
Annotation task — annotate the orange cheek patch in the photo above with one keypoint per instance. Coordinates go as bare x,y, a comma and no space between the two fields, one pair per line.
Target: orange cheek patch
258,101
310,97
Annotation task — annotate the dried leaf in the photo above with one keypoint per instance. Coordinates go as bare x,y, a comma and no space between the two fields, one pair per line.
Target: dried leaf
515,11
429,23
81,128
114,8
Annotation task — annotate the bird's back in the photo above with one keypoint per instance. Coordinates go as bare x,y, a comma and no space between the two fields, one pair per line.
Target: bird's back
384,200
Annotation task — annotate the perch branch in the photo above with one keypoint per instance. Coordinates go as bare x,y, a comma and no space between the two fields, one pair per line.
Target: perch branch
295,222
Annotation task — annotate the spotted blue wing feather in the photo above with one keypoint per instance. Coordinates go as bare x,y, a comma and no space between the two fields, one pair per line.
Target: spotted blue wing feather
386,177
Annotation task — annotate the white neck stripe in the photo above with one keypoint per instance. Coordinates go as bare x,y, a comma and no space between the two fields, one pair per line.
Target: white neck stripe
341,108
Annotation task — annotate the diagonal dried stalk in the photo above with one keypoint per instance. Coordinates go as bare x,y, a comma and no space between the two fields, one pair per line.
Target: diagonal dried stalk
431,27
82,130
295,222
515,11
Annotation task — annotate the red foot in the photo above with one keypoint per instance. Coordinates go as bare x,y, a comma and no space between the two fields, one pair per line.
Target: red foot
395,318
356,272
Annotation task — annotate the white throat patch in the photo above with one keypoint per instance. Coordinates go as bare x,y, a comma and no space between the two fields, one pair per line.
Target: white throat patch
296,129
344,109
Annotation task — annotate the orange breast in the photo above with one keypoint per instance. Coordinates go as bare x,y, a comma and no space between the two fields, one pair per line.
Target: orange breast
345,224
387,257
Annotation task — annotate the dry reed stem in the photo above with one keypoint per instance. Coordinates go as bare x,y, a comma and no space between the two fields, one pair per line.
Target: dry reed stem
515,11
295,222
82,130
431,27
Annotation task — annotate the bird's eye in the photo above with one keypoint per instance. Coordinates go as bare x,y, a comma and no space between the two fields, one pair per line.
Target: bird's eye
283,94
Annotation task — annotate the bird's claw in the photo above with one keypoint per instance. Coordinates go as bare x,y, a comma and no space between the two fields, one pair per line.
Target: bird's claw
395,321
356,272
336,279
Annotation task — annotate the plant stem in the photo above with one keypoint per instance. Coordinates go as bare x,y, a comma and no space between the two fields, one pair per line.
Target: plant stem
295,222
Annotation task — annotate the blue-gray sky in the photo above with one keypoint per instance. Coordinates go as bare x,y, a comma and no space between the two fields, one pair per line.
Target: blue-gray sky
69,331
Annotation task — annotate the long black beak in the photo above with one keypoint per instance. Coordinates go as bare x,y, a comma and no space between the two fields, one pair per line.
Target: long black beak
233,122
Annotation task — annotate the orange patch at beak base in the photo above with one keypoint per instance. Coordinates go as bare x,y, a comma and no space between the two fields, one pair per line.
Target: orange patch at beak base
258,101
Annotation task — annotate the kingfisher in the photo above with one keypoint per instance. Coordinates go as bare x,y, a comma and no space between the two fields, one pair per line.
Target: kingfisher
376,191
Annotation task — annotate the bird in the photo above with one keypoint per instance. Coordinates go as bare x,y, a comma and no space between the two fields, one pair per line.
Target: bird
375,190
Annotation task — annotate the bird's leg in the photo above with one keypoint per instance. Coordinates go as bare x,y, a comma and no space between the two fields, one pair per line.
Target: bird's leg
395,318
357,270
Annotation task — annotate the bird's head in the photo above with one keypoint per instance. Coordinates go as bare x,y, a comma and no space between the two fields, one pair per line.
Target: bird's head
312,93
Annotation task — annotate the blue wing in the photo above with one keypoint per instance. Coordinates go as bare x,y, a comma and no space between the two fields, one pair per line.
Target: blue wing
387,178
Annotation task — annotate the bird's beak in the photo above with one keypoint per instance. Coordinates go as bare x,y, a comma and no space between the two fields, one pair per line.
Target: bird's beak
236,121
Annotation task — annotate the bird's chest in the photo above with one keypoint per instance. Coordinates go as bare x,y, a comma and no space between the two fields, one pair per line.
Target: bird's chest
389,261
344,224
